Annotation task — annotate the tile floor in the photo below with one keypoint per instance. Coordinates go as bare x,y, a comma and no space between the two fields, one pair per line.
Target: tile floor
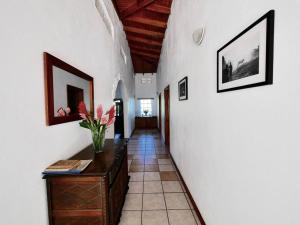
156,195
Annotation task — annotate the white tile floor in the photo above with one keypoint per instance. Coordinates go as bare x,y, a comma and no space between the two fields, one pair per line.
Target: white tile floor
156,195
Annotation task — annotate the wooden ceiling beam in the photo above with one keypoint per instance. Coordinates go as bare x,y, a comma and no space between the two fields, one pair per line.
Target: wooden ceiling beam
139,44
144,64
151,15
135,7
145,23
144,41
144,54
143,36
140,48
158,9
139,57
143,26
150,54
152,22
144,31
151,61
154,62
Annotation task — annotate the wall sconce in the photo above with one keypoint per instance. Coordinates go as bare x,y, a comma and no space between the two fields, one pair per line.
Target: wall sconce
198,35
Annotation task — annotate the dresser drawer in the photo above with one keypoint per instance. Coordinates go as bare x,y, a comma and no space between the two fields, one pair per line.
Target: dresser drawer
75,193
115,169
78,221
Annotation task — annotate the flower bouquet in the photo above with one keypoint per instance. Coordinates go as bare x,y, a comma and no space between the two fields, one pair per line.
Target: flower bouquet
97,125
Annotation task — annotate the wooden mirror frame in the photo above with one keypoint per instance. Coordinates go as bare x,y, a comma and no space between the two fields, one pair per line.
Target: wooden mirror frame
49,62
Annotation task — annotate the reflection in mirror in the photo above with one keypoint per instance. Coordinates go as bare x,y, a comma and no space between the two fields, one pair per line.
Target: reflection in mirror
66,87
69,90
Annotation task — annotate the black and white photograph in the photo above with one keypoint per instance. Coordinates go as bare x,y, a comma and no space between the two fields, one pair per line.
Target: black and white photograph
246,61
183,89
238,64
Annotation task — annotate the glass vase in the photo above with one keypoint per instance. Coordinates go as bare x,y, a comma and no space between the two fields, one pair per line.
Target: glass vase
98,137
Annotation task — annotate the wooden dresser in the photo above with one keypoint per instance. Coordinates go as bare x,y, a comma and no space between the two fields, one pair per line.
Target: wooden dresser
146,122
94,197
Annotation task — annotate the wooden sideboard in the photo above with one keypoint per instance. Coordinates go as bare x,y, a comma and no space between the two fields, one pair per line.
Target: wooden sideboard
94,197
146,122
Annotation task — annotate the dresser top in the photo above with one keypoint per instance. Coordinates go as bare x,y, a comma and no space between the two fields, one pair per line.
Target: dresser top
103,163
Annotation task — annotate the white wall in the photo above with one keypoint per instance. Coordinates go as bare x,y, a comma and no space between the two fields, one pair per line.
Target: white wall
237,151
146,90
73,31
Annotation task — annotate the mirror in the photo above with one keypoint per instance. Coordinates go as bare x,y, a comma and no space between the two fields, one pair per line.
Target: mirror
65,88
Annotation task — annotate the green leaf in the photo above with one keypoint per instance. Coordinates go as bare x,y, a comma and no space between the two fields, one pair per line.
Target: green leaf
85,124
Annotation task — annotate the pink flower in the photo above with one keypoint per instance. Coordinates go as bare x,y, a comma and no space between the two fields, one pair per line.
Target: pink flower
111,121
111,115
68,110
82,108
61,112
111,112
83,116
104,120
99,112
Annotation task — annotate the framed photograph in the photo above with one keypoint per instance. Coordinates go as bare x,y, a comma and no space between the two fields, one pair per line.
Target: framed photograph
183,89
247,60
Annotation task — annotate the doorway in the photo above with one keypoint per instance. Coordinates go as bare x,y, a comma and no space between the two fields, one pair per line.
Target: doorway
119,123
159,112
74,97
167,115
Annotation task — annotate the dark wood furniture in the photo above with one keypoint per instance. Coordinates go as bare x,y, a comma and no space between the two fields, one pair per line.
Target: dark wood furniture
146,122
94,197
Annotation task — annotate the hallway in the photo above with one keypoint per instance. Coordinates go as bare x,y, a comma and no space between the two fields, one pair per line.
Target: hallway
213,80
156,195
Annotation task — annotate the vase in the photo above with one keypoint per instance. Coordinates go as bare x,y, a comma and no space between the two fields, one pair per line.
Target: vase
98,140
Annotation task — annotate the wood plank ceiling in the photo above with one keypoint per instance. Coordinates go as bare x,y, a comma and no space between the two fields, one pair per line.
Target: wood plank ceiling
145,23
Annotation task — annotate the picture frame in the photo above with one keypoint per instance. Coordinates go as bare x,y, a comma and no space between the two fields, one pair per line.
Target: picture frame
58,77
247,60
183,89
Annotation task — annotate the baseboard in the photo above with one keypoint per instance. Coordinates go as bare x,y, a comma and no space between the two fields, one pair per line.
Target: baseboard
127,139
189,194
131,133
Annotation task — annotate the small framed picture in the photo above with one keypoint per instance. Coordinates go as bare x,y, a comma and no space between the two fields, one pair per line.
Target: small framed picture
183,89
247,60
